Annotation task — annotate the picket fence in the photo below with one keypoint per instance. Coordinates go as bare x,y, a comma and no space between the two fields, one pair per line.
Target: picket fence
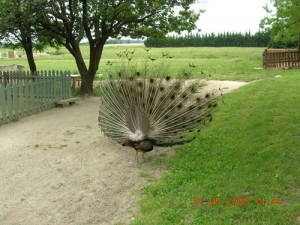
22,93
281,58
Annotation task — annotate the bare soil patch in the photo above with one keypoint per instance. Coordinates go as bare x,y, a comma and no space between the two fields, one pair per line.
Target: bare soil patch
57,168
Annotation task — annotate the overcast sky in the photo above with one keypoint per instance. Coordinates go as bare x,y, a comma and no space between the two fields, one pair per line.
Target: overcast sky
231,15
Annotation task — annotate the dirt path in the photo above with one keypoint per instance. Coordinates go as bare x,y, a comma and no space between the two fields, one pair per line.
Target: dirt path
57,168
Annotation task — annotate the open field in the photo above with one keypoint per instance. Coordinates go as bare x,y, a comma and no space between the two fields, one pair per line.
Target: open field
243,168
221,63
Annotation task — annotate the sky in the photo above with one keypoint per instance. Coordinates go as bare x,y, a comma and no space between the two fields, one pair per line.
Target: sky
230,15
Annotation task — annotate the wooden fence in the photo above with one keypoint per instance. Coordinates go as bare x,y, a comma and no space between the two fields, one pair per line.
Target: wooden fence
22,94
281,58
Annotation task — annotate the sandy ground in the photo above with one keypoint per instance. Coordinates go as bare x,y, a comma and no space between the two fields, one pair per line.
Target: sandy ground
57,168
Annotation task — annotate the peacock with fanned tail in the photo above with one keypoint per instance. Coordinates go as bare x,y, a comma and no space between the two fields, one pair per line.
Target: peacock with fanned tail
140,111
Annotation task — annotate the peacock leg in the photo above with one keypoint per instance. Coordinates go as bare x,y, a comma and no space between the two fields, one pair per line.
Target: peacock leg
137,157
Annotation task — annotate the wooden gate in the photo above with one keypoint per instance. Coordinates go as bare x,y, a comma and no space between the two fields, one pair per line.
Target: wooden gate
281,58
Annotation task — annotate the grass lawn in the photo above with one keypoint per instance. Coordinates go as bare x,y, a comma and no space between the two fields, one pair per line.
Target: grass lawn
221,63
250,152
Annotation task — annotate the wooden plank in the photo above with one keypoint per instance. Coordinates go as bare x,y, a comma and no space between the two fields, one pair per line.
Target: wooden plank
48,93
52,90
32,97
60,83
37,97
9,102
3,104
16,101
27,105
69,87
64,102
21,98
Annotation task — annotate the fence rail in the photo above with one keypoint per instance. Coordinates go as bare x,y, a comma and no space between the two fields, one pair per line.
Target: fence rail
22,94
281,58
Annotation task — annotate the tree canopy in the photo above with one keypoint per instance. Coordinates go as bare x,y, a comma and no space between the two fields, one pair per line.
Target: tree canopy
18,28
32,24
283,20
71,21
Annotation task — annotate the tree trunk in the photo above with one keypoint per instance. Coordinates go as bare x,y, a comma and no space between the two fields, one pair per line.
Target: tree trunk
87,81
30,59
299,41
85,86
87,77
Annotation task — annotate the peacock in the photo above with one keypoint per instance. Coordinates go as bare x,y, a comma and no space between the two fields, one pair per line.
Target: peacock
141,111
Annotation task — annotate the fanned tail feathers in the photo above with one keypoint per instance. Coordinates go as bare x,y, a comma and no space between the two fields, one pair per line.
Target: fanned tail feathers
159,109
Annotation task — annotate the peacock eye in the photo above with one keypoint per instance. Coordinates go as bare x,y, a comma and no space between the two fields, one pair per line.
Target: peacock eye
193,89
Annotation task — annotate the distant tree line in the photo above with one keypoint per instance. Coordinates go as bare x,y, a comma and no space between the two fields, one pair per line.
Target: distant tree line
227,39
124,41
114,41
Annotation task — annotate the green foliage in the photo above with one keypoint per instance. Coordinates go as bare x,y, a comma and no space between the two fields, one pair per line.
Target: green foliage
19,28
283,23
249,151
259,39
18,25
68,22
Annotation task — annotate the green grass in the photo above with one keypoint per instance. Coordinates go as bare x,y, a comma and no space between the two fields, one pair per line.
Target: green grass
250,150
221,63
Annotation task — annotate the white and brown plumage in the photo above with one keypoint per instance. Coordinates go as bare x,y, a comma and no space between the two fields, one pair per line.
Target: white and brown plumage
140,112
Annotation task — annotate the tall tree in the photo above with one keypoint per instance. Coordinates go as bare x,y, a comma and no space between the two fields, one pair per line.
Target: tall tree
283,20
18,27
97,20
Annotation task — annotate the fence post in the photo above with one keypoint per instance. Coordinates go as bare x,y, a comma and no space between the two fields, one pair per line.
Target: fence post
16,101
9,101
3,104
27,106
21,98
